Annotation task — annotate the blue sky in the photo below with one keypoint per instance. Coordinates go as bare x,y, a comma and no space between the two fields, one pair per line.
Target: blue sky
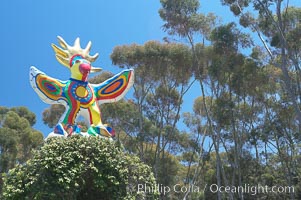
29,27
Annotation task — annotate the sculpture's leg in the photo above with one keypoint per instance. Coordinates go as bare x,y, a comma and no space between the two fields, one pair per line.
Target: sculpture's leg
97,127
67,123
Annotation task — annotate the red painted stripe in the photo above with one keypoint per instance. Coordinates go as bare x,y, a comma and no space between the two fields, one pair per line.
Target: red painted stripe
74,106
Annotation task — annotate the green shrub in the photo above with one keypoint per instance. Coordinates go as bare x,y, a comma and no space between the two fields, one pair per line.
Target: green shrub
79,168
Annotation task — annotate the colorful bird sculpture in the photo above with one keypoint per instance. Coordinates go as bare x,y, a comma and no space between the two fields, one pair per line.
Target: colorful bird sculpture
77,94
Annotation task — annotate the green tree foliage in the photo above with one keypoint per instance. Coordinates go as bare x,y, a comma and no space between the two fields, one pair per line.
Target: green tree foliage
52,114
182,18
163,72
8,149
240,94
17,137
79,168
278,26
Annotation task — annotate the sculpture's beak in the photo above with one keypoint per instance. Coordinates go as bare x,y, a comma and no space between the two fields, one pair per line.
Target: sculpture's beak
95,69
85,68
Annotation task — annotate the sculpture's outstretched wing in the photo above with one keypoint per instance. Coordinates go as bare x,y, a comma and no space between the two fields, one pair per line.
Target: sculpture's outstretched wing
114,88
49,89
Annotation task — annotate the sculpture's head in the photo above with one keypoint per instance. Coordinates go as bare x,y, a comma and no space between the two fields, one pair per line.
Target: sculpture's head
78,60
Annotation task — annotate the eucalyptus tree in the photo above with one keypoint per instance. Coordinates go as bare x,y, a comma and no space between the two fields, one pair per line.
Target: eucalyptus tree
163,72
277,23
183,20
229,83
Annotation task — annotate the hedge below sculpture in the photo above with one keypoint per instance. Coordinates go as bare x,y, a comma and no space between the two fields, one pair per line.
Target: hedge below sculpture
79,168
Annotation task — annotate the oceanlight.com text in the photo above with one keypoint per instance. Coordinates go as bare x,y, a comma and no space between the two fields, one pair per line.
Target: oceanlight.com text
251,189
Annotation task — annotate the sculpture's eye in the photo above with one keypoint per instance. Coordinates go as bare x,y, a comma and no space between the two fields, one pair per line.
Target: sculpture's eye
75,59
